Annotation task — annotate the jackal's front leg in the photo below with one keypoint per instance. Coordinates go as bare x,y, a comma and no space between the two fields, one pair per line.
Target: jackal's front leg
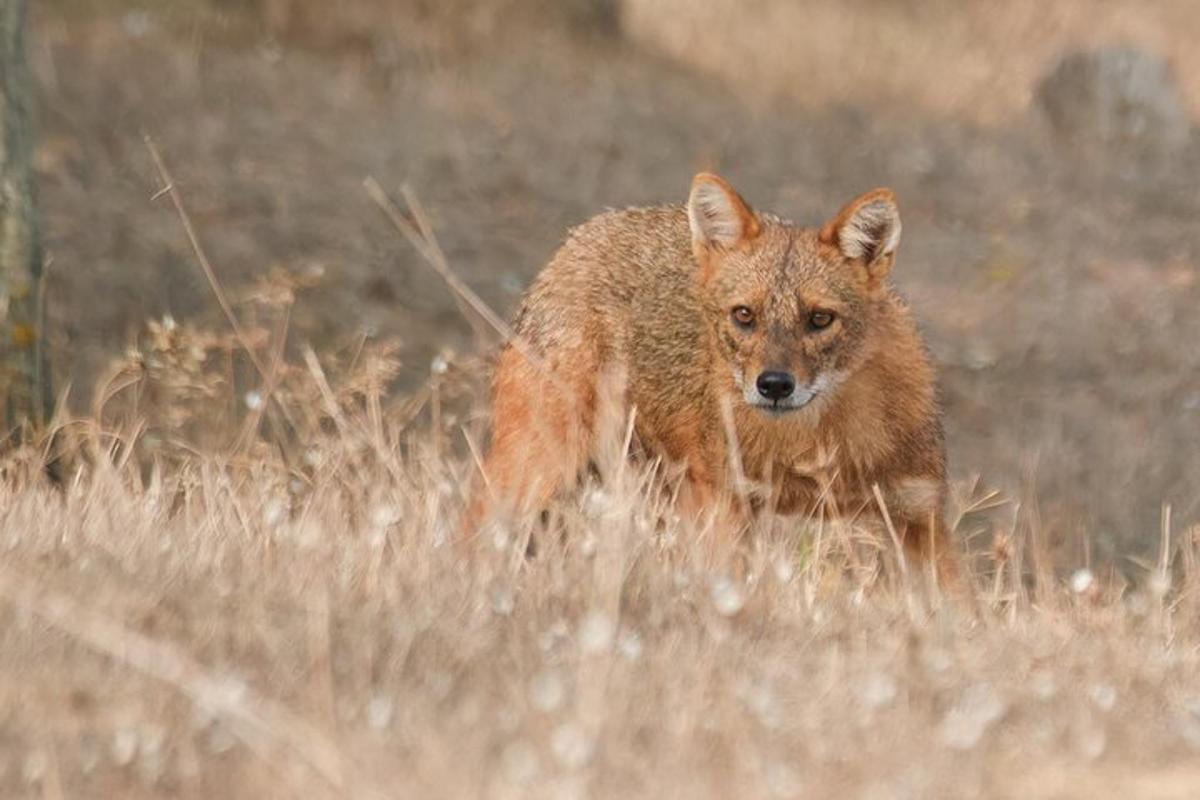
918,504
712,510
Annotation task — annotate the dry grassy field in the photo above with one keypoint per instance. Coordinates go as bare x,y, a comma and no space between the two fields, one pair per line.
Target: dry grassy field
227,563
234,626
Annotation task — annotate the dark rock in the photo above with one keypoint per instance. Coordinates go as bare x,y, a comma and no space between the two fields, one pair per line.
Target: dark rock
1116,98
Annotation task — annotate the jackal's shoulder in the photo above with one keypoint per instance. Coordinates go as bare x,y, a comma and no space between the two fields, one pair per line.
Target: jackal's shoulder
631,230
618,253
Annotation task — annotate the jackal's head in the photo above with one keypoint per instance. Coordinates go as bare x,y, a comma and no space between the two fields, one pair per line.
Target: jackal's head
793,308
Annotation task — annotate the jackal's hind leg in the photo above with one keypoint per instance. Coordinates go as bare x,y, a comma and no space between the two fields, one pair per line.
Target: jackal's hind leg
541,423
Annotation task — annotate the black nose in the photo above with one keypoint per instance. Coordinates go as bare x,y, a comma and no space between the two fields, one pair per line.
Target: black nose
775,385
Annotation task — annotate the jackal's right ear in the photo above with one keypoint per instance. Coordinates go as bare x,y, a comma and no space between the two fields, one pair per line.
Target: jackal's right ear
718,216
867,230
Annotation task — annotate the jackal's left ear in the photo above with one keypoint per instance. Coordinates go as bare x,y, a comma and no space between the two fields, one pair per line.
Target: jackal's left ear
867,230
718,215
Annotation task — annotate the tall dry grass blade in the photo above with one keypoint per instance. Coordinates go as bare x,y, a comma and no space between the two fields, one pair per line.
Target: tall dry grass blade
741,487
1164,541
891,529
476,457
1161,579
326,391
270,383
434,257
1040,560
170,189
1016,572
627,442
436,424
425,228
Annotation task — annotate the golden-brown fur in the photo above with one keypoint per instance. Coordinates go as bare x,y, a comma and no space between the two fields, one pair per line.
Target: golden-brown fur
649,292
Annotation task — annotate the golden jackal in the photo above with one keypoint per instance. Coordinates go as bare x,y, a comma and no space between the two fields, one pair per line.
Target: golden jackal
732,328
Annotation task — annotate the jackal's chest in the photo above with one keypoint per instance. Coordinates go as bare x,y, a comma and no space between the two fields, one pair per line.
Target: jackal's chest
813,483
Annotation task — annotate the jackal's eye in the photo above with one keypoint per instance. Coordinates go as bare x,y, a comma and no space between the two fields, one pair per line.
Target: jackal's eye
820,319
743,317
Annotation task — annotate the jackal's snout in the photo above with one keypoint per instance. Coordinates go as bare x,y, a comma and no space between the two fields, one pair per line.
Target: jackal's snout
774,385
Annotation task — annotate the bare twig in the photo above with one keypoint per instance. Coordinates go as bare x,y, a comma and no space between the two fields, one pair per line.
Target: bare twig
417,210
172,191
433,256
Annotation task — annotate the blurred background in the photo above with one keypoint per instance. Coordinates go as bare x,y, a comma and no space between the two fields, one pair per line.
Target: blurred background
1044,153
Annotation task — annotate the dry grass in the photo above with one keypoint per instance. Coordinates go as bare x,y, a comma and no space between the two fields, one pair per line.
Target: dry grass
220,625
231,592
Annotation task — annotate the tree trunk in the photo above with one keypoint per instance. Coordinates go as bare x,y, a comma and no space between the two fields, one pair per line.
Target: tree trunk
23,380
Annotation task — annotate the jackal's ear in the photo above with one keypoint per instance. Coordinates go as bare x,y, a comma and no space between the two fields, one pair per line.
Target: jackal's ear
867,230
718,215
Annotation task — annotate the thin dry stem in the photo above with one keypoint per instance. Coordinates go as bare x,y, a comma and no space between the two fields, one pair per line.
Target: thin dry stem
891,529
170,189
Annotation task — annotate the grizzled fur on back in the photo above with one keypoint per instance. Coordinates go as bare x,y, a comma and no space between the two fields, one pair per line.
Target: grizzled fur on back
732,329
